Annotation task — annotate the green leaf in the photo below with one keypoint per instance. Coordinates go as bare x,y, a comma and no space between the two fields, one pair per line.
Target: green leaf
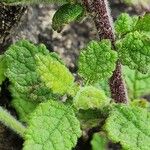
89,97
98,142
67,14
26,84
3,67
143,23
134,51
129,126
97,61
125,24
53,126
55,75
138,84
143,103
24,108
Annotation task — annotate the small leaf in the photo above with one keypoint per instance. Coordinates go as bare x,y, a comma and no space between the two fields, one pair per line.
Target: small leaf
55,75
53,126
129,126
67,14
138,84
3,68
97,61
134,51
143,23
89,97
98,142
125,24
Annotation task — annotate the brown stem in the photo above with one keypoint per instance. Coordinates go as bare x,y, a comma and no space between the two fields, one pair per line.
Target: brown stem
104,25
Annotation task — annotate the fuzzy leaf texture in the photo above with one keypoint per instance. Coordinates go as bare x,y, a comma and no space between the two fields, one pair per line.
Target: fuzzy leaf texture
98,142
134,51
67,14
3,67
56,76
26,88
125,24
129,126
138,84
97,61
53,126
26,2
143,23
89,97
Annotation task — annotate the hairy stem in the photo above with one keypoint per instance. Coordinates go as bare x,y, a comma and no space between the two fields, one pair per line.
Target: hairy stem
104,25
11,122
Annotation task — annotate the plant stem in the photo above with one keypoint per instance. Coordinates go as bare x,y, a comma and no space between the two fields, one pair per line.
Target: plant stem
11,122
104,25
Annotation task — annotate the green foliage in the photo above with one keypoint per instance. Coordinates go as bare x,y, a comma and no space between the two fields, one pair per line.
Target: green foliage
129,126
125,24
138,84
143,103
143,23
90,118
134,51
52,126
7,119
67,14
97,61
23,107
2,68
26,84
89,97
98,142
55,75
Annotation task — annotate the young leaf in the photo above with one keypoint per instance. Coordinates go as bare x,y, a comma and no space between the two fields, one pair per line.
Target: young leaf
143,23
89,97
98,142
24,108
67,14
3,67
55,75
138,84
134,51
26,84
129,126
125,24
52,126
97,61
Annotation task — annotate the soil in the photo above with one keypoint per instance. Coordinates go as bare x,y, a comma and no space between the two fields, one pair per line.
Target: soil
35,25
